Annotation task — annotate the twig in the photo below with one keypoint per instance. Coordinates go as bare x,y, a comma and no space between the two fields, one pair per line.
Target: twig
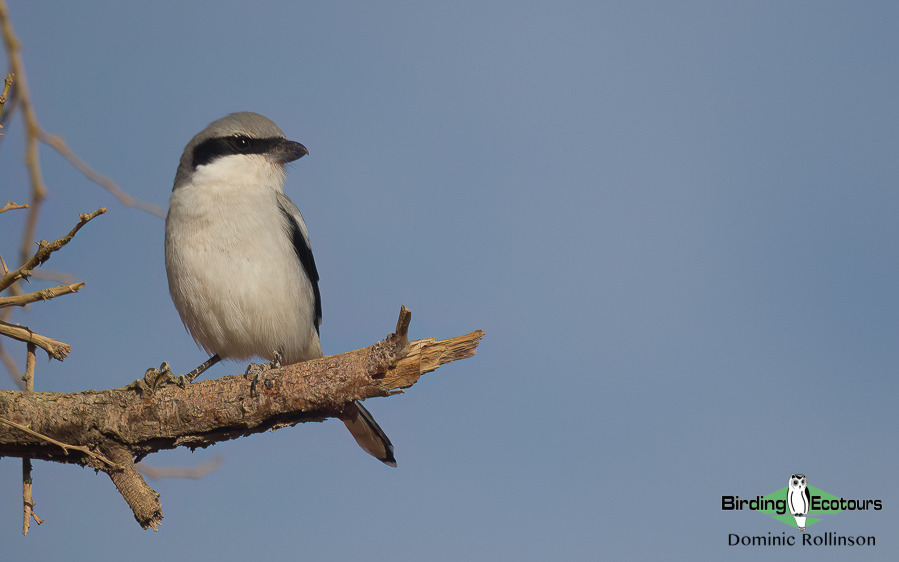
62,445
195,473
32,127
10,206
29,369
53,275
11,367
27,499
54,348
139,419
140,497
45,249
35,133
43,295
402,323
56,142
9,79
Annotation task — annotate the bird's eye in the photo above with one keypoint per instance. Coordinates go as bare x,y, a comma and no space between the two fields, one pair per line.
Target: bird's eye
243,143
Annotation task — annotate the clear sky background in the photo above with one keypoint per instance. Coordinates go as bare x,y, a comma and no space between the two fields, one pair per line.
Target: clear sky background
676,222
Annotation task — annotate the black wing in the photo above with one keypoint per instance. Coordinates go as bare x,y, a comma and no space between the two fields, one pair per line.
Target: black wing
304,254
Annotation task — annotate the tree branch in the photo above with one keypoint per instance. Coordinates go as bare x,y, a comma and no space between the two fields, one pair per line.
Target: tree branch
27,481
43,295
11,367
28,511
34,133
32,127
6,86
54,348
45,249
156,413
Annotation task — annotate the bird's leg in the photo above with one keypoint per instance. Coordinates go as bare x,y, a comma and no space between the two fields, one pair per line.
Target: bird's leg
189,377
258,370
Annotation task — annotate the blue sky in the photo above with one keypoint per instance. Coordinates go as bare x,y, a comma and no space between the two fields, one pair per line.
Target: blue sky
675,222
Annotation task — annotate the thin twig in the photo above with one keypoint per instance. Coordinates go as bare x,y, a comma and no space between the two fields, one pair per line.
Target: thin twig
42,295
45,249
11,367
32,127
10,206
56,142
27,499
155,473
65,447
9,79
35,133
29,369
42,274
54,348
52,275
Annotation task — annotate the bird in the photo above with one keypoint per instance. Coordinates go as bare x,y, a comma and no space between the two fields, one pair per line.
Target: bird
238,259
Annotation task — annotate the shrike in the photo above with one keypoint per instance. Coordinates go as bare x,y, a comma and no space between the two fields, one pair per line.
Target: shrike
238,259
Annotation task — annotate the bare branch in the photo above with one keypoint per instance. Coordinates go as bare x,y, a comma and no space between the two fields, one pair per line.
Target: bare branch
156,473
9,80
34,133
402,324
54,348
11,367
141,498
32,127
58,144
45,249
27,500
52,275
28,377
157,413
42,295
27,483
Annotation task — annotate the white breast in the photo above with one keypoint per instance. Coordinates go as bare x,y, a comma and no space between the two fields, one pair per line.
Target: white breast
233,273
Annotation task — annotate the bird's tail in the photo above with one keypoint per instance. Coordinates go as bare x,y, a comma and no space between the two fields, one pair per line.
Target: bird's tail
368,434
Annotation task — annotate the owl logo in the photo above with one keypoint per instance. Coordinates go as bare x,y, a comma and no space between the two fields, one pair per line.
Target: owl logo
798,499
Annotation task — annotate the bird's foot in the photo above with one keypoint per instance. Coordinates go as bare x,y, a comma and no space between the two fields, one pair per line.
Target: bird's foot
156,377
153,379
258,371
275,363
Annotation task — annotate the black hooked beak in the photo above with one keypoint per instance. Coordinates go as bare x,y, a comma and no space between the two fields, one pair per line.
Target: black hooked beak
286,151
